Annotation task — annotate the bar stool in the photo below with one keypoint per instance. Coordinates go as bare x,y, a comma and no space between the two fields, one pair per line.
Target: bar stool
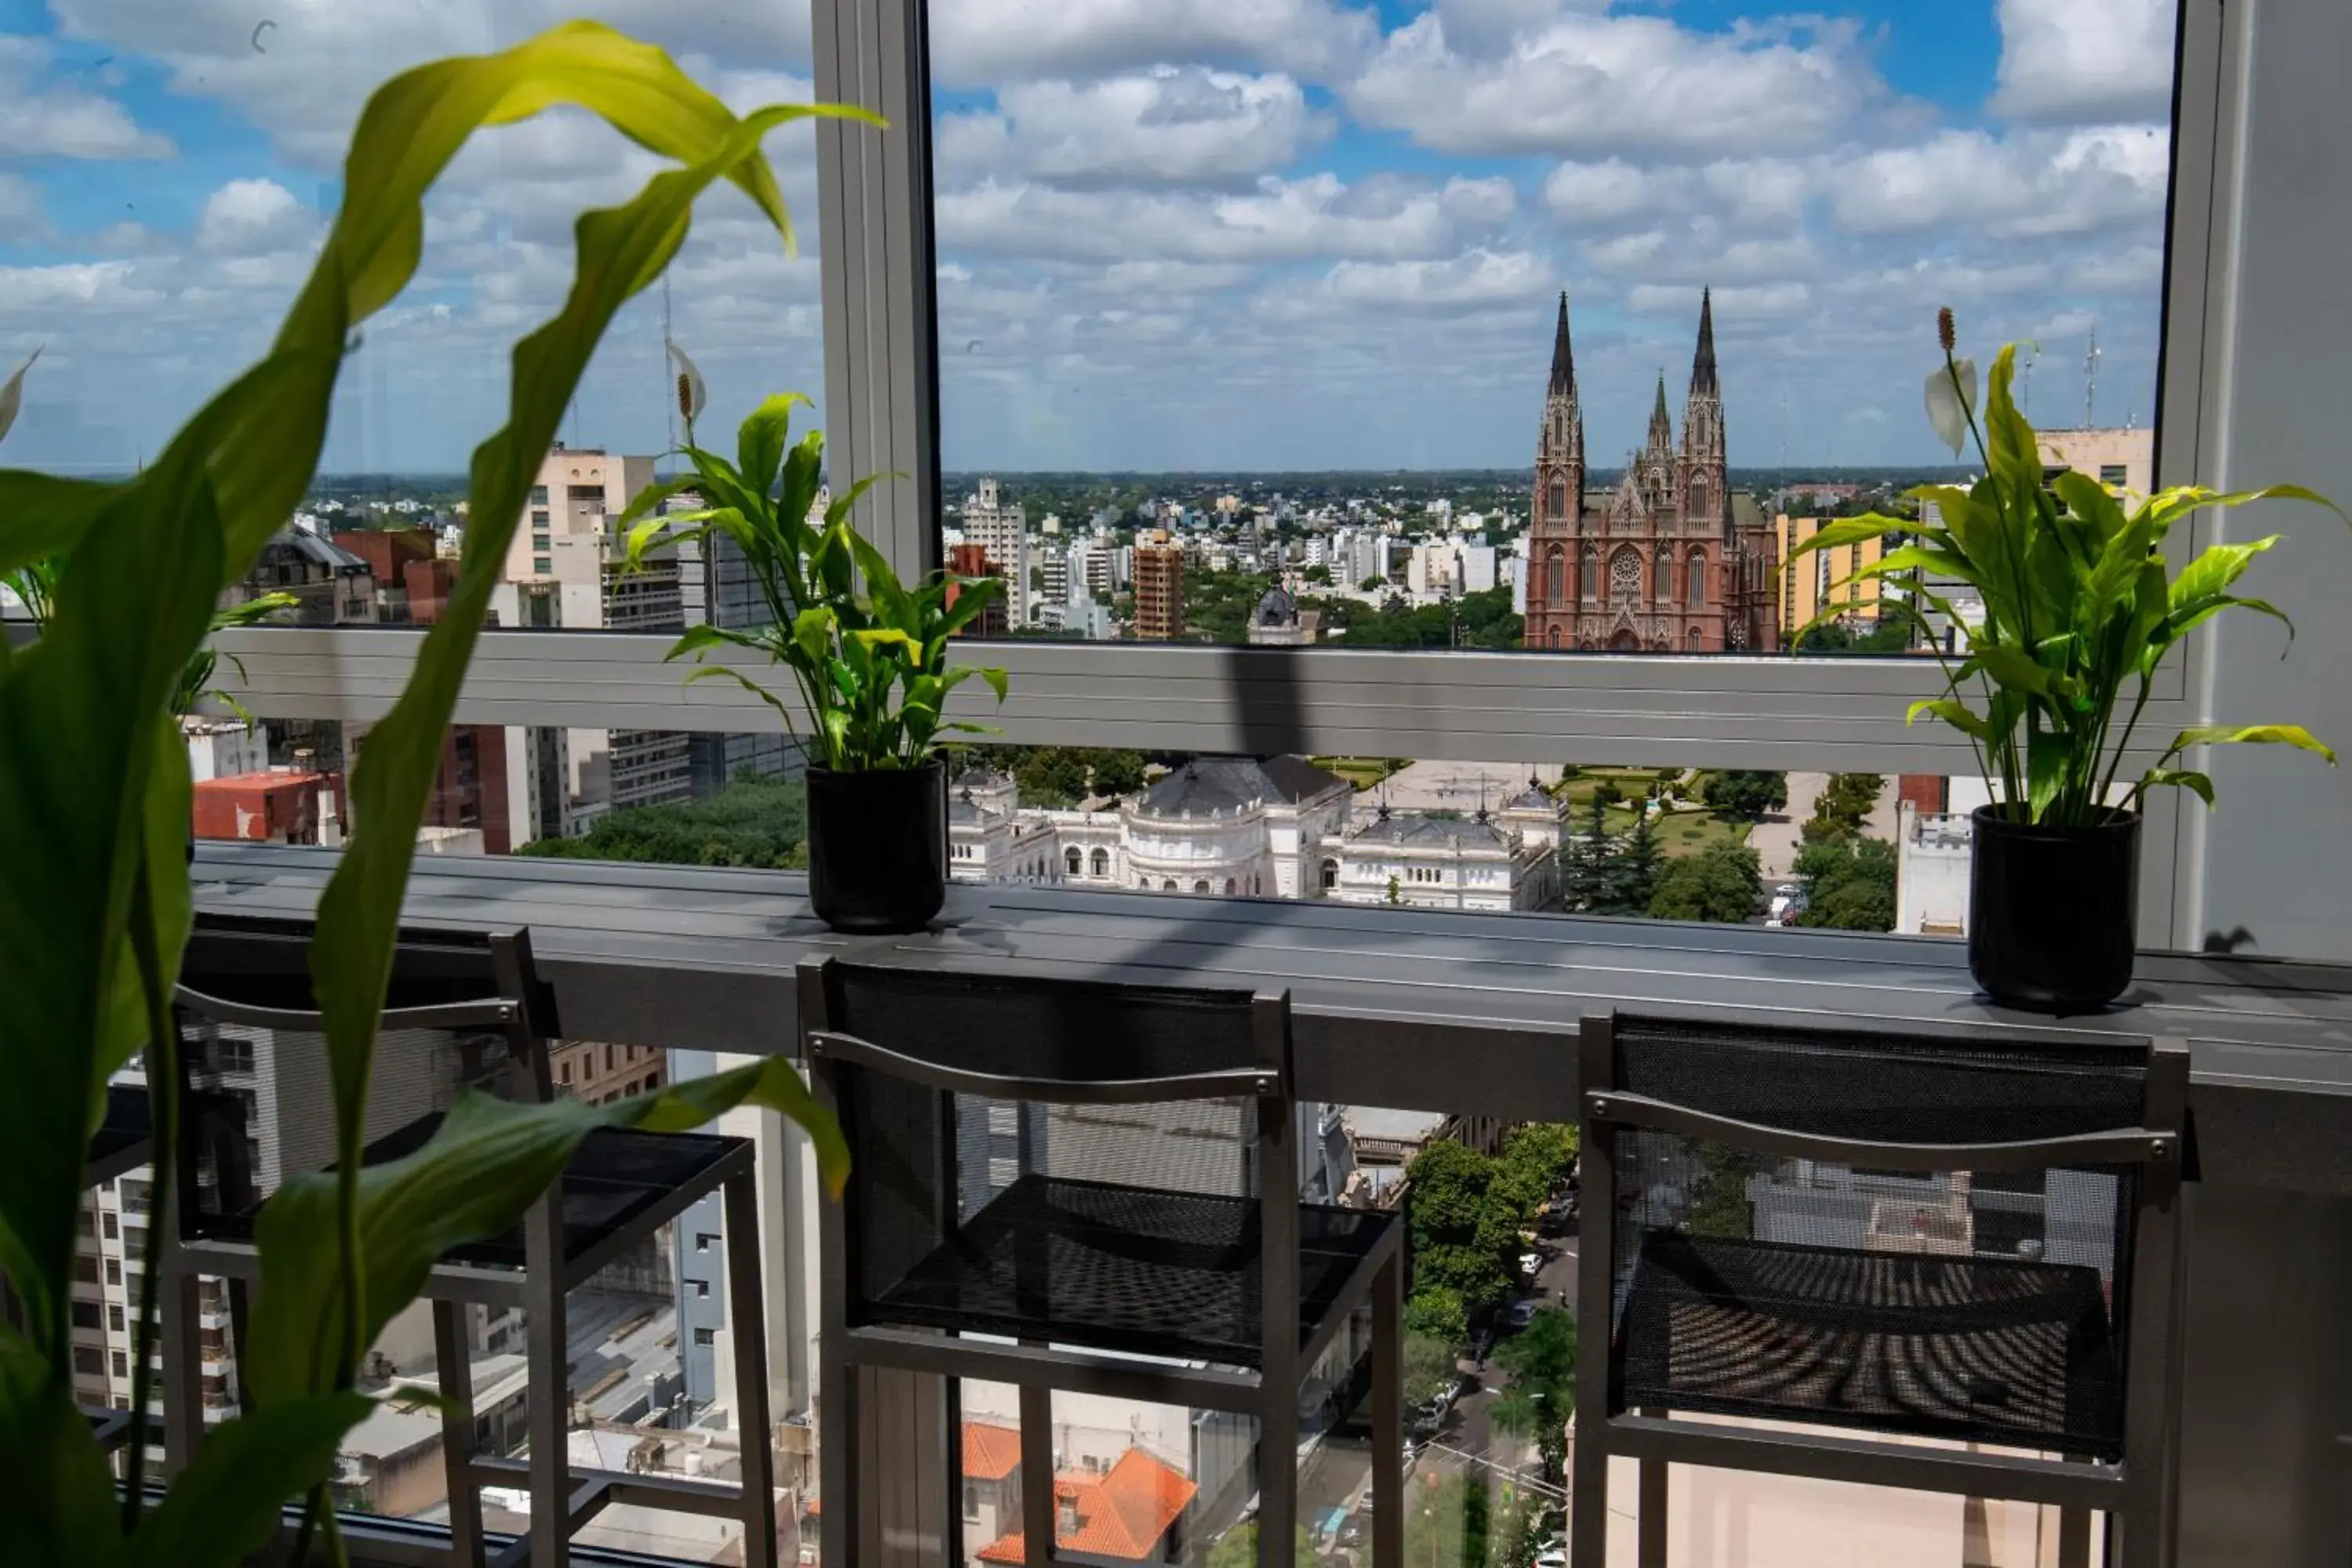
1090,1174
1966,1237
620,1187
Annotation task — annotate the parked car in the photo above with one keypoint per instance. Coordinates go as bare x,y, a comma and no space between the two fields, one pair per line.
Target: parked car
1529,1262
1519,1314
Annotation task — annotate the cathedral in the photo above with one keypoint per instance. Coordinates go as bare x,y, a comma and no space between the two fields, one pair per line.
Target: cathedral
1671,561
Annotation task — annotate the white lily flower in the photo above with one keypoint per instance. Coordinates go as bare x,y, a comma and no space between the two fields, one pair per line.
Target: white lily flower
1950,409
690,397
12,396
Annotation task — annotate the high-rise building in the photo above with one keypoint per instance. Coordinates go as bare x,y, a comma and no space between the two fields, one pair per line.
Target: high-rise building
2120,459
972,561
1000,528
568,567
717,587
1158,587
1809,583
1671,560
389,553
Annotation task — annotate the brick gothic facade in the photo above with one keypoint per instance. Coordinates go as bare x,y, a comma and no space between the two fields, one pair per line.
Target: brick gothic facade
1671,560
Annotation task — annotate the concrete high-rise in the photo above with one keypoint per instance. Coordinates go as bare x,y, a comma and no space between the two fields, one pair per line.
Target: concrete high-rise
1158,587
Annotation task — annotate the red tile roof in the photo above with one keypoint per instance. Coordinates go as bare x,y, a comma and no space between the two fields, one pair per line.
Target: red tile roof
1122,1513
990,1452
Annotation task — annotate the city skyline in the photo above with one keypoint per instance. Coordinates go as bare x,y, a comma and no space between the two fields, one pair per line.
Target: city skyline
1201,237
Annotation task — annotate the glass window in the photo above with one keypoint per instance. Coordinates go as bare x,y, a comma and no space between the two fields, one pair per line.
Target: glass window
1690,297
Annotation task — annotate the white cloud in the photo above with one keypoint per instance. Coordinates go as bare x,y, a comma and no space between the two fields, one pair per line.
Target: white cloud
307,82
248,217
1170,124
987,42
1474,279
53,119
1736,304
1588,85
20,201
2086,61
1318,215
72,287
2029,185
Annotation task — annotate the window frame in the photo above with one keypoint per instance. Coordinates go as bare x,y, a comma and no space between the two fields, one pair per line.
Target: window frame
879,273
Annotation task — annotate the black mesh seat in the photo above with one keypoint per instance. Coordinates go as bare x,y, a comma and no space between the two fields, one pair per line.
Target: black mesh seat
465,1014
1152,1273
1967,1239
615,1176
1980,1349
1052,1180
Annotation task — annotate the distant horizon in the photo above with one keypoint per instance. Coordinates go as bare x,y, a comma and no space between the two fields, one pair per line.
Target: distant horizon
1842,473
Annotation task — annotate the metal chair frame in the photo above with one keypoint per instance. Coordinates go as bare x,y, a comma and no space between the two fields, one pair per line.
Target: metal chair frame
563,1498
1269,1394
2134,1493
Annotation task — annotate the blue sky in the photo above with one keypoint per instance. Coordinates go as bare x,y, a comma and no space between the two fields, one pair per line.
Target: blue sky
1207,233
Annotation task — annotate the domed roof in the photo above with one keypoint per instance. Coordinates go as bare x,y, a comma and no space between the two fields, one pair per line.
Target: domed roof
1276,608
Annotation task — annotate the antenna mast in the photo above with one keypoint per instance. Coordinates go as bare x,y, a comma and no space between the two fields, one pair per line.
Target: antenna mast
2091,383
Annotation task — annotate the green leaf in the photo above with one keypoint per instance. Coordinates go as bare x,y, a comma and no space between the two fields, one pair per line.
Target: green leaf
760,440
2011,668
2198,783
2189,617
621,250
229,1504
58,1505
472,1181
2293,735
996,681
42,516
12,394
2090,502
1952,711
81,729
1851,530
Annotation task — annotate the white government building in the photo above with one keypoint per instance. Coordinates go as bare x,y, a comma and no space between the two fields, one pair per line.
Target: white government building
1268,827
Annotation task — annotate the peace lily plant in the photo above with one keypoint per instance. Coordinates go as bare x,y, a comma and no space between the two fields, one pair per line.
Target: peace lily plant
95,904
2080,605
867,655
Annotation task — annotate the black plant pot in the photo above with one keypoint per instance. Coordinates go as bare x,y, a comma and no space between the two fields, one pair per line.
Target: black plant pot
878,848
2053,912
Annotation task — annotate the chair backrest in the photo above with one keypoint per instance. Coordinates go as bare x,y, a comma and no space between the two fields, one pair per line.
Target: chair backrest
1952,1217
463,1008
1072,1041
955,1088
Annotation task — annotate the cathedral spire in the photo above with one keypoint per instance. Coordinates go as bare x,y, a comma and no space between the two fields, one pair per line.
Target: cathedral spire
1563,362
1703,382
1662,425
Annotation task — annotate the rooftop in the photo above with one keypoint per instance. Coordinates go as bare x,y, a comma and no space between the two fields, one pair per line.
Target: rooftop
1122,1513
1227,784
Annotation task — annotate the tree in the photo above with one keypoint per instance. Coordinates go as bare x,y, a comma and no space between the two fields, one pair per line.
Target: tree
1535,1159
1238,1548
1856,891
1446,1520
1464,1236
1844,805
1117,772
1319,575
1720,883
1742,791
1630,879
1429,1368
1584,859
1373,584
1540,1362
1055,777
1435,1312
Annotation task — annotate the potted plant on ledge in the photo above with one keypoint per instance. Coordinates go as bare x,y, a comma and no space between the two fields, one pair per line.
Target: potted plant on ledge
868,653
2080,606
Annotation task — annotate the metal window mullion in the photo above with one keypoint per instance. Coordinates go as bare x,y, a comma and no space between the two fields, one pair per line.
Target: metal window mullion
878,274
